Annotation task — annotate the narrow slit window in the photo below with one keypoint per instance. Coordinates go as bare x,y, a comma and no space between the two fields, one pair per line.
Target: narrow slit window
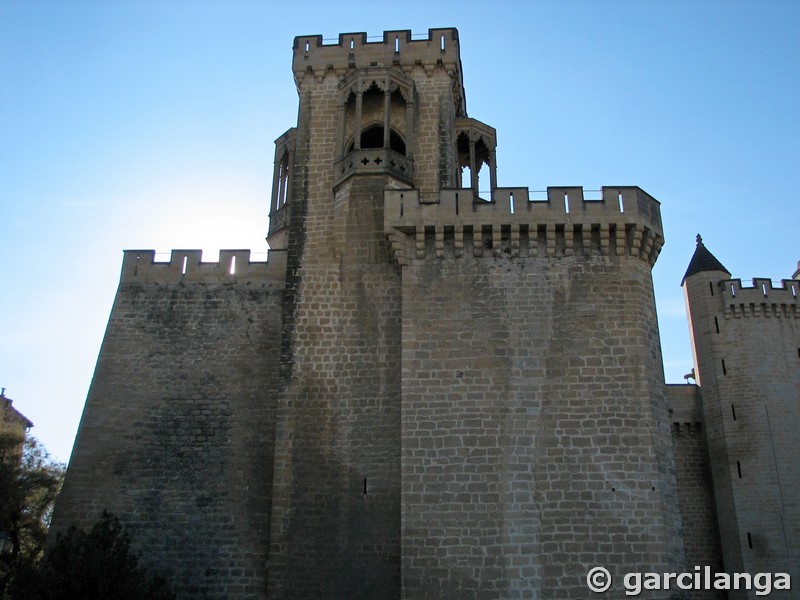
621,205
511,202
716,324
456,202
183,265
711,287
739,468
352,44
733,290
233,266
441,44
733,412
397,43
724,368
566,203
749,541
365,486
764,289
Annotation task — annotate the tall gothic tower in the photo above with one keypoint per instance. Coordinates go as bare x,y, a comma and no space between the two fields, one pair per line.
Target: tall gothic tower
474,401
436,387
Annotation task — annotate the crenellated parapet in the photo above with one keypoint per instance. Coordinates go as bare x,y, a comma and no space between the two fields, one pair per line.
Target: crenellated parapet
234,266
619,221
760,300
439,49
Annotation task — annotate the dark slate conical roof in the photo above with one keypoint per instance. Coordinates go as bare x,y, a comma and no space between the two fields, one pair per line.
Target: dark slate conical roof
703,260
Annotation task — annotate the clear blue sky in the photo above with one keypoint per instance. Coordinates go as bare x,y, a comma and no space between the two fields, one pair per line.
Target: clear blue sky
151,125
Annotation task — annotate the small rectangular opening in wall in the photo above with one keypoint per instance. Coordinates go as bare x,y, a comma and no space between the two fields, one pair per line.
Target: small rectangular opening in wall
733,290
456,202
724,368
764,289
566,203
798,350
711,287
183,265
307,46
365,486
232,270
352,43
441,44
749,540
621,205
511,202
716,324
739,468
397,43
733,412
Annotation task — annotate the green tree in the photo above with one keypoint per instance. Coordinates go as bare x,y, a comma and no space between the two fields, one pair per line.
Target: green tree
29,483
94,565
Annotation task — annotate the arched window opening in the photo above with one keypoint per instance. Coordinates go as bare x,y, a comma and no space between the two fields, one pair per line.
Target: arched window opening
462,152
466,177
471,158
282,174
375,124
372,137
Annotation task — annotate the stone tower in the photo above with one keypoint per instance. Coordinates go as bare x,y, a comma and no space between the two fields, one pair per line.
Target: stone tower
474,401
435,388
746,345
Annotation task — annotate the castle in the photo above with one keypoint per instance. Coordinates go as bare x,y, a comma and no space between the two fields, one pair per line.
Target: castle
430,390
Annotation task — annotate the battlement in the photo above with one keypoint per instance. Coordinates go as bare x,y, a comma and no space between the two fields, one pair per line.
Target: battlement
762,299
234,266
356,51
620,220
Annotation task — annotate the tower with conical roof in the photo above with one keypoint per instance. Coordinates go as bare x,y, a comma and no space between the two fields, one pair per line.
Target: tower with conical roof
746,346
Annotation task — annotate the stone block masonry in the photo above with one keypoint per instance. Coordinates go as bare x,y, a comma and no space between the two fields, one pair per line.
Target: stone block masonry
431,391
535,433
746,341
178,431
695,486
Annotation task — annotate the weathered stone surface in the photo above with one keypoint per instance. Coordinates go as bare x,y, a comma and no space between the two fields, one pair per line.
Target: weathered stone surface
746,342
431,391
178,431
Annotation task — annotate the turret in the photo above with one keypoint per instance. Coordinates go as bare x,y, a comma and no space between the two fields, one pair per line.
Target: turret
746,346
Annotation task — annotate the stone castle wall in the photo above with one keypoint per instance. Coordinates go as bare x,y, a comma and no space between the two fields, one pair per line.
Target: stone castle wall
337,485
695,486
177,434
336,513
336,493
747,349
427,392
535,429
